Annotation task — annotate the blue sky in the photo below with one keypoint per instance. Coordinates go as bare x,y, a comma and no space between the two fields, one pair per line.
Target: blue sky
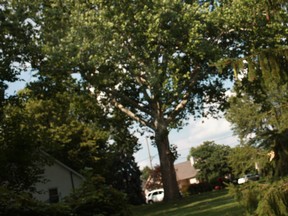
16,86
192,135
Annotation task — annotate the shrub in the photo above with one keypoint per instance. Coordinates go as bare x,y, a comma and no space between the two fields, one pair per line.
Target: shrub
23,204
199,188
95,198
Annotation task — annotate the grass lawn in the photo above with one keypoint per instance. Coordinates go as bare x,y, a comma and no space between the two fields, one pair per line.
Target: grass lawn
207,204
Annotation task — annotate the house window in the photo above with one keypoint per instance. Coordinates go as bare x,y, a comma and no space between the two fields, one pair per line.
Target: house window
53,195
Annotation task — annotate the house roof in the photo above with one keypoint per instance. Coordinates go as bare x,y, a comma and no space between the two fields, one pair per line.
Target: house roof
185,170
54,160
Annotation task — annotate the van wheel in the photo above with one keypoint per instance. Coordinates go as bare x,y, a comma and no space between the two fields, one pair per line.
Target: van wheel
150,202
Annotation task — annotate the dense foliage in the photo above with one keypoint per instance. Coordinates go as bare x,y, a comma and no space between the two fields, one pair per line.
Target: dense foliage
94,198
49,115
244,159
17,47
22,204
97,198
156,61
148,59
20,161
211,160
262,199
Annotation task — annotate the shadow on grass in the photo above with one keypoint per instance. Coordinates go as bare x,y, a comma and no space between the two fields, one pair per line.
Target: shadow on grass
208,204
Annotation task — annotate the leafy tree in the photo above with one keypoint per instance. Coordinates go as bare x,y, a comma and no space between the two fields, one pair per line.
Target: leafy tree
119,167
255,34
155,180
42,119
211,160
17,47
50,115
74,129
145,173
20,161
19,154
148,59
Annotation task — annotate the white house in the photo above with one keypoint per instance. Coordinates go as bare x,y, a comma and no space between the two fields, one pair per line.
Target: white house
61,181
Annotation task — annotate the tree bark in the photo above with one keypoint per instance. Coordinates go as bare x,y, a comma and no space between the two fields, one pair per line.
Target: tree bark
170,185
281,155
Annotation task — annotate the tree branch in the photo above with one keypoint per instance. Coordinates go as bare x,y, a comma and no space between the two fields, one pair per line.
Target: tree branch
179,107
134,103
182,104
131,114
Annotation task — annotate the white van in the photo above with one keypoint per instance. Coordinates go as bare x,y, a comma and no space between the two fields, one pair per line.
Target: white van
155,196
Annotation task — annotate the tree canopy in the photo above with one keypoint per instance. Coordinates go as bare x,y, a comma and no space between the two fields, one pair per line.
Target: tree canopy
17,37
148,59
49,115
20,161
211,160
156,61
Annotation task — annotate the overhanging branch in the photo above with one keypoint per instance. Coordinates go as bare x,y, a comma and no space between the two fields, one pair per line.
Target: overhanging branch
131,114
130,101
182,104
179,107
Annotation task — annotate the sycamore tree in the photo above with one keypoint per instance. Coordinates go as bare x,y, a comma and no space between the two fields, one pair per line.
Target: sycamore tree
150,59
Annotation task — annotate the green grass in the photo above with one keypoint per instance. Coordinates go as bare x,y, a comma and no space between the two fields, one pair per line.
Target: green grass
207,204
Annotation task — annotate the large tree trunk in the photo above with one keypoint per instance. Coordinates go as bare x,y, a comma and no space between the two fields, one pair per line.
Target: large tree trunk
168,173
281,155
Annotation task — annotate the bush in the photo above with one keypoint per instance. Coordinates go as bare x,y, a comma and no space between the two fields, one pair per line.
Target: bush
95,198
23,204
199,188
